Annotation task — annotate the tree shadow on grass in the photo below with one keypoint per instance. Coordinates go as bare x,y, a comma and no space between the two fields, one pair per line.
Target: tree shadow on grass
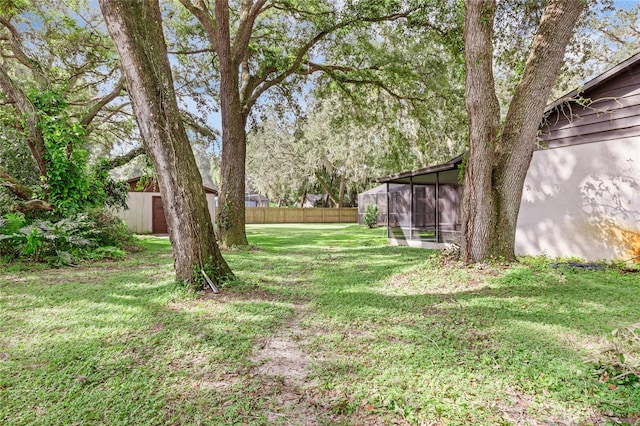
185,360
121,352
529,331
594,302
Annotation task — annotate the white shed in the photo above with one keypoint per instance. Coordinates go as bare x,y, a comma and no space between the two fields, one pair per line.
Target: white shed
145,214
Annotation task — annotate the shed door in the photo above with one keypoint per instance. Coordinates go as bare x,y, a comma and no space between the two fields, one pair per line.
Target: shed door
159,221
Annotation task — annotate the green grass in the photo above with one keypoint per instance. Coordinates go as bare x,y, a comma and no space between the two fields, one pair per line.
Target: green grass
392,336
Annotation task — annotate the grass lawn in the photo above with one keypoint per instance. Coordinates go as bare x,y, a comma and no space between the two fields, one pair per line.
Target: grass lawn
325,325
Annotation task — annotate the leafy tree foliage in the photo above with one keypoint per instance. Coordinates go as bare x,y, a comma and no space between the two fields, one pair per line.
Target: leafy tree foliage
71,185
389,97
265,50
324,152
60,84
606,34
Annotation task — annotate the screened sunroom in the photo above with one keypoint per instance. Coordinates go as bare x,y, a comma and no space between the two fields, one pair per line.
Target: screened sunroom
423,206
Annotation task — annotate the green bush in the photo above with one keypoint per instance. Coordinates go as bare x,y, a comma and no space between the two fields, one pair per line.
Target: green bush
370,217
64,242
112,231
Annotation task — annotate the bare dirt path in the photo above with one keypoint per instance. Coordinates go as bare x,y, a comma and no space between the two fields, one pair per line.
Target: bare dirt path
283,367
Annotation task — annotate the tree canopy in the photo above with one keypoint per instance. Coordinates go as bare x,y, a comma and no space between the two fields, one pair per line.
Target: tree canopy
332,94
63,100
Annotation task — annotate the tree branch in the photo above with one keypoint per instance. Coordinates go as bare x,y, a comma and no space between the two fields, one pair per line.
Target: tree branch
15,186
125,158
28,112
16,47
190,121
201,12
97,107
191,52
249,11
31,205
89,129
299,11
326,187
302,52
79,72
23,193
330,70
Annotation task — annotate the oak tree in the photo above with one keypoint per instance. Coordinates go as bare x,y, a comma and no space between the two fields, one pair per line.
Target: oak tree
260,46
500,150
58,86
136,29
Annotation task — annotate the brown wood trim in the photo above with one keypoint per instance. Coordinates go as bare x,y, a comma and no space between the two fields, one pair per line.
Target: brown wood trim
152,186
603,126
607,92
625,66
622,80
619,108
631,139
621,134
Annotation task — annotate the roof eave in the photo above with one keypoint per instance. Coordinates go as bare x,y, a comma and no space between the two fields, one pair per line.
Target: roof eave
594,82
449,165
207,188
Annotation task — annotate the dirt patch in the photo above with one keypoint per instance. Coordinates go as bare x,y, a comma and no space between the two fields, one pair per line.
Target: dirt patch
231,295
519,408
282,357
283,367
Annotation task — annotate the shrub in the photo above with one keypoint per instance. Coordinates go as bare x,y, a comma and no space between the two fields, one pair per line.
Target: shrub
66,241
112,231
370,217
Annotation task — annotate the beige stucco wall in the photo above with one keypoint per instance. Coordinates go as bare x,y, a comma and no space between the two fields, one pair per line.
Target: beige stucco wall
583,201
139,216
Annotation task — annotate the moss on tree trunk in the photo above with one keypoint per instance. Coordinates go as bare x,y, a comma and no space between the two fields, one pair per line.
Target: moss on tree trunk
136,28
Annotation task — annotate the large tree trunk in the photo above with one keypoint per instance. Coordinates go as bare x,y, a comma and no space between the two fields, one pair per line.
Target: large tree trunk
234,147
136,28
478,215
497,165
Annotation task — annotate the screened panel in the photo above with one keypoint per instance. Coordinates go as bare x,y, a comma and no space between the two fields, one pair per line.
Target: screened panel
399,210
450,201
424,212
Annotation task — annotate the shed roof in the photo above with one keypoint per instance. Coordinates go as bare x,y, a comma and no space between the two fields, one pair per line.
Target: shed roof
152,186
256,197
447,174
